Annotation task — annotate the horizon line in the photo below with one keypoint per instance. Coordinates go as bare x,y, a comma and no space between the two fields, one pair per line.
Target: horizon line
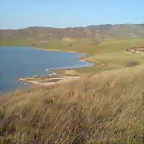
69,26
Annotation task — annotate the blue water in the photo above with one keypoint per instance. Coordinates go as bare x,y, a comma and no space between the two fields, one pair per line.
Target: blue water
16,62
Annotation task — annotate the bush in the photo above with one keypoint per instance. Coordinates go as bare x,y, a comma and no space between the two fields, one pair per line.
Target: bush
132,64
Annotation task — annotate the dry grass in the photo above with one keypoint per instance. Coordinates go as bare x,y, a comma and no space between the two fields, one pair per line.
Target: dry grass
106,108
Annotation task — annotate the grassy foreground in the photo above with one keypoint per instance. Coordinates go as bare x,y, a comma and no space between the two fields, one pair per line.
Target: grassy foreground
105,108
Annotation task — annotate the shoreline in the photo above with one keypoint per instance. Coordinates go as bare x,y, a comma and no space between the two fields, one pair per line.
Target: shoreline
83,58
59,75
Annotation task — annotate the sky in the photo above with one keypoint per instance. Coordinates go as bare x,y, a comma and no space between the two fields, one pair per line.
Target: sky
17,14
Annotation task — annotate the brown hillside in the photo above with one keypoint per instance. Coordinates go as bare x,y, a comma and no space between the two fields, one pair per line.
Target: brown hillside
105,108
92,32
127,30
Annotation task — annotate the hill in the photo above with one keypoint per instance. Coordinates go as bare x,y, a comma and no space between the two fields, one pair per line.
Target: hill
93,32
103,108
127,30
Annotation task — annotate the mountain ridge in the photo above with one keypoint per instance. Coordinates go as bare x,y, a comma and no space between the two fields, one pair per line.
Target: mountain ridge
91,31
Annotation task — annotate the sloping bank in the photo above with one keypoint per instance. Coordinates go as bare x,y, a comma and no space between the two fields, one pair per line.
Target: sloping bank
102,108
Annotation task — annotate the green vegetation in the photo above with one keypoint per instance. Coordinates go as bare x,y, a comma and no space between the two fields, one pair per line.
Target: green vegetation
110,52
105,108
17,42
113,54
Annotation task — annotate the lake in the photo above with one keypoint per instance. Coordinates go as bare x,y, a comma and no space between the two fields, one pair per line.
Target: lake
20,62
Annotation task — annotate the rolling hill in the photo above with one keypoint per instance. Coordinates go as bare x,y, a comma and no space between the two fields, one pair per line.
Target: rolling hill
92,32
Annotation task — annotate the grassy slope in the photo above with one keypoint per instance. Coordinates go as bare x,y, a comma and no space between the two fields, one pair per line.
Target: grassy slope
102,108
17,42
111,52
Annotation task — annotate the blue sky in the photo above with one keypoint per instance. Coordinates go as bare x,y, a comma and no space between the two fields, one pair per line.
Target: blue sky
15,14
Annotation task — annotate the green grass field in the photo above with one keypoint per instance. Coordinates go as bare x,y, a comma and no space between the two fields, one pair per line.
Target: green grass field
111,52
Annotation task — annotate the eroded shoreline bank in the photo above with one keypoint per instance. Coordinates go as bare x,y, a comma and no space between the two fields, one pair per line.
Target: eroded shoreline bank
58,76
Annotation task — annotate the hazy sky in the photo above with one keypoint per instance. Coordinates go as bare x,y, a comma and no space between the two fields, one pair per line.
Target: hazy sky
69,13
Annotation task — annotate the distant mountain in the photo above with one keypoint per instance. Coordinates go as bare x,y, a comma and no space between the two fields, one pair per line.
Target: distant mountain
92,31
99,27
141,25
127,30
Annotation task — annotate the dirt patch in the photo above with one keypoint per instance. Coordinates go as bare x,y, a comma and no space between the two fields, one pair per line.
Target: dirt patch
67,40
71,72
94,44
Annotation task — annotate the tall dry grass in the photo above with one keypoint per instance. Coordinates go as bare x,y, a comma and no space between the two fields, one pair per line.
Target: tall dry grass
106,108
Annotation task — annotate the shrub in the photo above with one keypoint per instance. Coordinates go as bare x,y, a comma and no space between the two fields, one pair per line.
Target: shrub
132,64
